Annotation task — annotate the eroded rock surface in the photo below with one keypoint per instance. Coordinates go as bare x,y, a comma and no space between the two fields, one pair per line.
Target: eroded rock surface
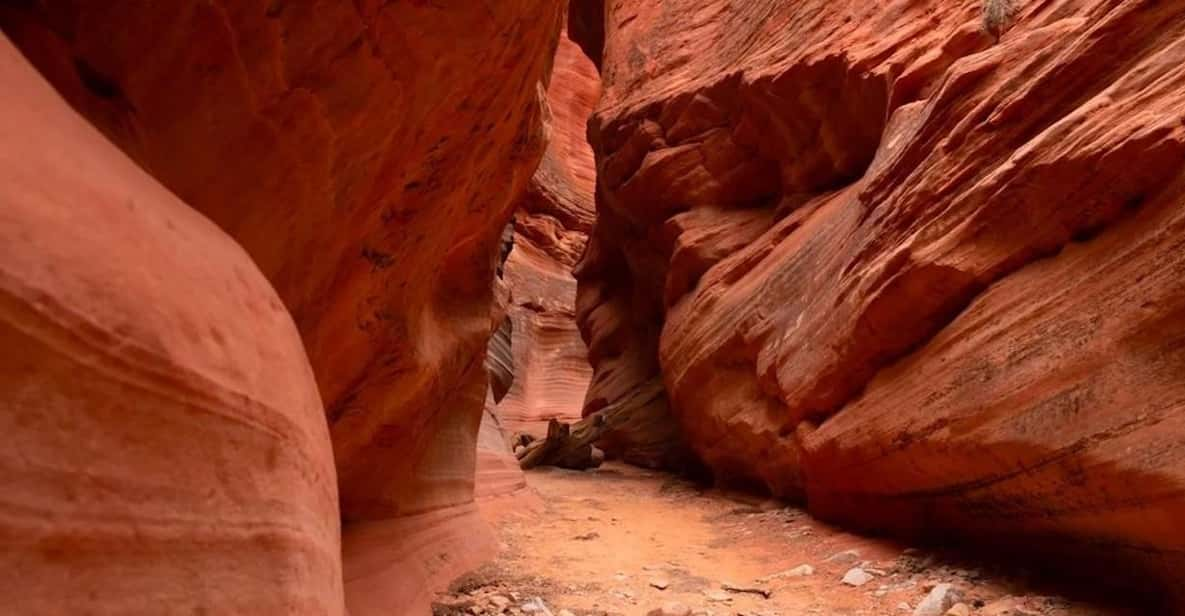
165,444
923,279
366,155
548,357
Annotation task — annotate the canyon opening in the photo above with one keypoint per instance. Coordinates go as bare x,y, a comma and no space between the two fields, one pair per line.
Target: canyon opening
592,307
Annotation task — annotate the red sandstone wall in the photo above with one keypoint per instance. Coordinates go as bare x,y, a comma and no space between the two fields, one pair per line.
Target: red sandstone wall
551,371
921,279
549,359
366,155
165,446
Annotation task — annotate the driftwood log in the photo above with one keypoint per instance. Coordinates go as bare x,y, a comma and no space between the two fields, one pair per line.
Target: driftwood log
566,445
574,445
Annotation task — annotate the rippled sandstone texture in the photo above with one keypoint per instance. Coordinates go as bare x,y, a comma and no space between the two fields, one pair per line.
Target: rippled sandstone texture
548,357
165,449
351,149
498,473
925,281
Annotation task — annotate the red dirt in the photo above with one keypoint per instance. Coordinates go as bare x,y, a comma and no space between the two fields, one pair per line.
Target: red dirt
603,536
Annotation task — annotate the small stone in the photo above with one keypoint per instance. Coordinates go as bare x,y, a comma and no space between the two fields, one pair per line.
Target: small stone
670,609
753,590
499,601
959,609
717,595
903,607
801,571
660,583
940,599
847,556
857,577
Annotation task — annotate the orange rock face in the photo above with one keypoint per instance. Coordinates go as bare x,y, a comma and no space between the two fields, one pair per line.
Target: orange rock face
619,333
551,371
350,148
548,357
165,444
923,279
498,473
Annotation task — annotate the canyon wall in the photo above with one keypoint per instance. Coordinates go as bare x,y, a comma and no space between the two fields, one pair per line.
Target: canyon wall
872,257
498,473
165,445
366,156
548,358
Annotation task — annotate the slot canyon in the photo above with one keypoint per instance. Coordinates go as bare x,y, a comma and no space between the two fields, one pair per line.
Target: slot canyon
592,307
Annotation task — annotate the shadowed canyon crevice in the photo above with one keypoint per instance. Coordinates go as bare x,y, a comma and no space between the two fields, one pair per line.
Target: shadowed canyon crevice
551,226
282,281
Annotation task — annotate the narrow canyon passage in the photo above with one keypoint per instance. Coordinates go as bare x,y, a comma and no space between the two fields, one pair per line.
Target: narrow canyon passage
373,308
624,541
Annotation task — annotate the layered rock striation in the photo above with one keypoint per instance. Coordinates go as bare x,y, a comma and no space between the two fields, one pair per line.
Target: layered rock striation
165,444
548,358
366,156
921,278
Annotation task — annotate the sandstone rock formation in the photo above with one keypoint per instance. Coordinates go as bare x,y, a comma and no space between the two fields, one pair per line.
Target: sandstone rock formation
549,359
165,445
553,224
551,372
498,473
922,279
366,155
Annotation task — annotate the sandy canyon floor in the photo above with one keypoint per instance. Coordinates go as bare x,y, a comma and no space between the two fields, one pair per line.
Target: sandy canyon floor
625,541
